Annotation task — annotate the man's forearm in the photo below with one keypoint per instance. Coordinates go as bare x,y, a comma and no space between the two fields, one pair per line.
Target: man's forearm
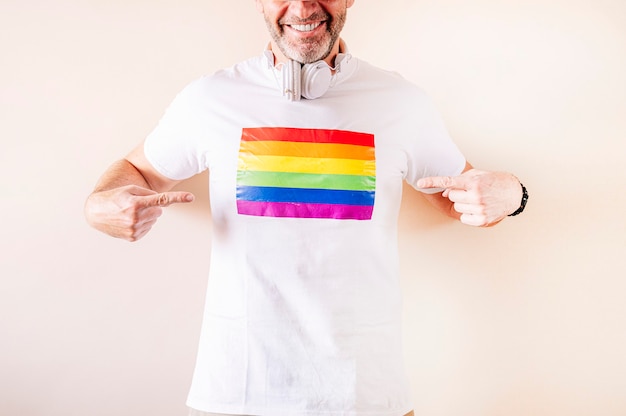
121,173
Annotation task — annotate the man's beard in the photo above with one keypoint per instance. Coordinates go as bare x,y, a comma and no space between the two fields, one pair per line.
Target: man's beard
310,50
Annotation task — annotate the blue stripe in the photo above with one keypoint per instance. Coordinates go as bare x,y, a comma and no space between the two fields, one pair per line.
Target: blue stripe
305,196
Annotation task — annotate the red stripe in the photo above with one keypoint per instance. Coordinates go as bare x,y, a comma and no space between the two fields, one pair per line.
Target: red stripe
307,136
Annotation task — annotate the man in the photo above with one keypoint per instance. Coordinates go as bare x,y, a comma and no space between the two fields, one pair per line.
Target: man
303,304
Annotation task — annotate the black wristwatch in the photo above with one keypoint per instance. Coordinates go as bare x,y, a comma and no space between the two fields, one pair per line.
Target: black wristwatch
523,203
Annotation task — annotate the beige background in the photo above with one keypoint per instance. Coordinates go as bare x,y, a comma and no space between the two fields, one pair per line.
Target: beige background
527,318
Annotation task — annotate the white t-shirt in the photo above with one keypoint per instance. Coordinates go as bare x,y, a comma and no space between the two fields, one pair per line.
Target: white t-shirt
303,304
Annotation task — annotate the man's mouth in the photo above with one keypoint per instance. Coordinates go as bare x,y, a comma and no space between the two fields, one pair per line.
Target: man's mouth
306,28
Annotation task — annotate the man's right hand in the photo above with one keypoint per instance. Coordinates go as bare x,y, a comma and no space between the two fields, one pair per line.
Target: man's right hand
129,212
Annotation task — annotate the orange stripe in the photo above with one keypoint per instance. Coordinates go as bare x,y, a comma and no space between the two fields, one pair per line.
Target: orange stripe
314,150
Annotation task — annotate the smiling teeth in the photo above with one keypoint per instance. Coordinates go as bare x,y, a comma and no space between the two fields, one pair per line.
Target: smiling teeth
306,28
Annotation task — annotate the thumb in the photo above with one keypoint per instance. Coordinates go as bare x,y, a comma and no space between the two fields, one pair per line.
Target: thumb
165,199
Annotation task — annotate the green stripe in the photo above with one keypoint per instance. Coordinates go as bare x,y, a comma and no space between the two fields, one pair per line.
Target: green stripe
306,180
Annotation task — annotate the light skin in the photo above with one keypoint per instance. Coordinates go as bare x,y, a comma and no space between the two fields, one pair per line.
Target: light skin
130,196
476,197
304,31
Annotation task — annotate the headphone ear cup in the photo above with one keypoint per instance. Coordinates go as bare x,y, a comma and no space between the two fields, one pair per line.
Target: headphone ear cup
316,79
292,80
310,81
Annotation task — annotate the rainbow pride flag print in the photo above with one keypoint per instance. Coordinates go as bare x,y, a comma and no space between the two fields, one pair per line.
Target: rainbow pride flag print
306,173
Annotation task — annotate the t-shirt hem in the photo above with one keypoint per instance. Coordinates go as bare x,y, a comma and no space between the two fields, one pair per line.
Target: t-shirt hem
252,410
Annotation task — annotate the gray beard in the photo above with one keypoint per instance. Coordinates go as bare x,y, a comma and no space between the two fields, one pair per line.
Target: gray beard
315,49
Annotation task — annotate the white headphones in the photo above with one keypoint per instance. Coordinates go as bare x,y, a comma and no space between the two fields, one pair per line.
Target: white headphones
312,80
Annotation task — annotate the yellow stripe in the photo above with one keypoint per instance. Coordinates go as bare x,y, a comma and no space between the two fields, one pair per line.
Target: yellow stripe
306,165
302,149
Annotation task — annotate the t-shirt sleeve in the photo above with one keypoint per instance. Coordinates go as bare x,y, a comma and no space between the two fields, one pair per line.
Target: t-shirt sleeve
432,152
178,146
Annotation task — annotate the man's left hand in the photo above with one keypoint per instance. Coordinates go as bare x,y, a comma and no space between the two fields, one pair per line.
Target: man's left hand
482,198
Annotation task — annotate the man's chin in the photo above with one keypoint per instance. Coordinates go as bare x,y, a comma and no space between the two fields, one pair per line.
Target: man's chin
305,56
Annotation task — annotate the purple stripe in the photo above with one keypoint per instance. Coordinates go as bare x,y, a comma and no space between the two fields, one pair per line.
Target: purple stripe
296,210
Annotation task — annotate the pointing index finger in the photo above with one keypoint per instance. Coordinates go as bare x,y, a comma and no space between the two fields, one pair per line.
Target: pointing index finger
165,199
442,182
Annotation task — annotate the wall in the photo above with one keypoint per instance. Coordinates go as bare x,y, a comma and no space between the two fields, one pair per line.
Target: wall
526,318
